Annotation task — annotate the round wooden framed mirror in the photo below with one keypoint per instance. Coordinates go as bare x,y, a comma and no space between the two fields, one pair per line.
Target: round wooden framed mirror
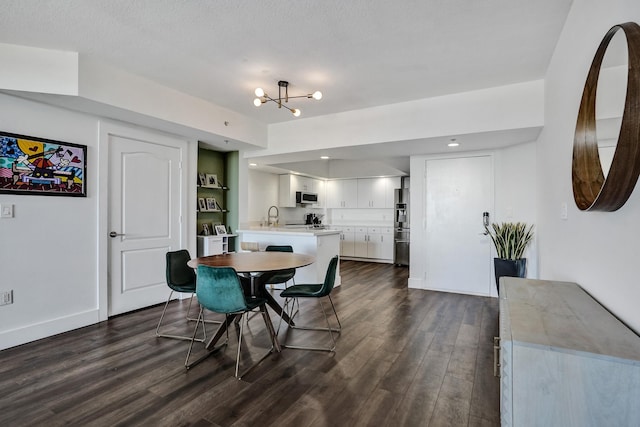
592,190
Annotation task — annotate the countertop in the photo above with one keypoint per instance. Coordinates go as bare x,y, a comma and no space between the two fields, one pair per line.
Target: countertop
301,230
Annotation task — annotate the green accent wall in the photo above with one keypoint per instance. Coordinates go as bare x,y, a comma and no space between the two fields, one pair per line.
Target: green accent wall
225,166
232,177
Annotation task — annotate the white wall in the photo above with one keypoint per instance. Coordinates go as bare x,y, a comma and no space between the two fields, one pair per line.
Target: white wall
515,184
514,180
48,251
595,249
52,253
263,193
517,106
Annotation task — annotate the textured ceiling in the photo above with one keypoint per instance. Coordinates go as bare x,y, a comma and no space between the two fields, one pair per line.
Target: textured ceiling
359,53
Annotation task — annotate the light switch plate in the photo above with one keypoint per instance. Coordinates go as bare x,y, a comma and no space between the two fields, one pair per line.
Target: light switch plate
6,211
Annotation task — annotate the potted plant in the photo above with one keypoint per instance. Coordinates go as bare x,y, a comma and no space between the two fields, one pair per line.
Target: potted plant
510,240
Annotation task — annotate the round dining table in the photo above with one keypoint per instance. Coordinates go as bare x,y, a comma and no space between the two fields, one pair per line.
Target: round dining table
255,262
260,266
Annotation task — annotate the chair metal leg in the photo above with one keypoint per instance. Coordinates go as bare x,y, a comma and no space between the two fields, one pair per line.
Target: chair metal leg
193,339
312,328
179,337
218,322
209,352
239,347
274,342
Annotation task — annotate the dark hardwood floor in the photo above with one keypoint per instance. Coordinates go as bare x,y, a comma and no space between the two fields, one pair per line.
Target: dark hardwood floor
405,357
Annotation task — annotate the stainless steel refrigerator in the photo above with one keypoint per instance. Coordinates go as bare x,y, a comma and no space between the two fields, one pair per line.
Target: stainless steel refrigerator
401,227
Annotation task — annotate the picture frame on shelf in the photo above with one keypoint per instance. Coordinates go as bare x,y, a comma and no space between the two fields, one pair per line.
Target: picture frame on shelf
212,180
202,179
202,204
211,204
206,231
221,230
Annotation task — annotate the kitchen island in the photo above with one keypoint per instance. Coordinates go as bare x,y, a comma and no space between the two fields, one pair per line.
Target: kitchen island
321,243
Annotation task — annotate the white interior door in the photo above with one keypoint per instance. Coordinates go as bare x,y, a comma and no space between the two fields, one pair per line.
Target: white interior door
144,215
458,191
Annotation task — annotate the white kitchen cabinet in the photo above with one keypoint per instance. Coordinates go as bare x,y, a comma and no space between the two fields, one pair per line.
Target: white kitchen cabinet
361,242
380,242
290,184
347,241
369,242
392,183
372,192
318,187
377,193
342,193
287,191
303,183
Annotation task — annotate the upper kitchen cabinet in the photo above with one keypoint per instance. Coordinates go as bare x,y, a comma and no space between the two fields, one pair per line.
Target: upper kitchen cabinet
342,193
291,184
377,192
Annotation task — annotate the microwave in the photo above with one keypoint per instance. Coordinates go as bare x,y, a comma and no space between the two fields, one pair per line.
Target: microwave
304,197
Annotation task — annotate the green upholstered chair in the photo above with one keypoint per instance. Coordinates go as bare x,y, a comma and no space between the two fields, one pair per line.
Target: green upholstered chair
180,278
219,289
319,291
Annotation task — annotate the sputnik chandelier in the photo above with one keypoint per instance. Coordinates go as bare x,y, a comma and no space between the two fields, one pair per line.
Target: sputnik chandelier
263,98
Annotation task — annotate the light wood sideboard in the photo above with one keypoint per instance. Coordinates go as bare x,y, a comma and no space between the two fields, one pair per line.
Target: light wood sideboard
564,360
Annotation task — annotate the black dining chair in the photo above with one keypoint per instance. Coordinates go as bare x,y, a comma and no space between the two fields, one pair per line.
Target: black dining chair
281,276
319,291
219,289
180,278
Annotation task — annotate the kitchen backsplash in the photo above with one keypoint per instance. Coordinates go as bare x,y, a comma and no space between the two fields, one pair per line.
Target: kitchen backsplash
372,217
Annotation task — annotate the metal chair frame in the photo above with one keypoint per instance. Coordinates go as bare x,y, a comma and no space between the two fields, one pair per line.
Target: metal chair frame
329,329
232,317
170,278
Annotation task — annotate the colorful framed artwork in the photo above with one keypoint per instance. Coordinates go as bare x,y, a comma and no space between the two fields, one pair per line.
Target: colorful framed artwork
38,166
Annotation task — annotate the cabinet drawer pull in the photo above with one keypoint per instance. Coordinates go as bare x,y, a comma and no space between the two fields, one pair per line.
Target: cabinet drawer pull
496,357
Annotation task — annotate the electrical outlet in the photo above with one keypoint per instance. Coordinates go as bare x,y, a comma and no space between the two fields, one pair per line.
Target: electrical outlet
6,211
6,297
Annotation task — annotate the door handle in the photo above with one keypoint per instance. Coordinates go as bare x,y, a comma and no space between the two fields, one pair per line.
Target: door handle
114,234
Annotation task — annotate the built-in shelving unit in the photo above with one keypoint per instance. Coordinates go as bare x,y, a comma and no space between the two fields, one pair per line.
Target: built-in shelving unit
212,202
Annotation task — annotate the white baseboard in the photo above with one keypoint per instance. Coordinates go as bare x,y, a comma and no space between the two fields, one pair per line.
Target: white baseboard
48,328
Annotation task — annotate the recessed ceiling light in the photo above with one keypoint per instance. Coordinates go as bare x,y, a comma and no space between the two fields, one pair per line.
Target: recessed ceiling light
253,164
324,157
453,143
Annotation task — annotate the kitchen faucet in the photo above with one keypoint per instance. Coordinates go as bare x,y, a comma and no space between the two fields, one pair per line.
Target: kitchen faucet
272,220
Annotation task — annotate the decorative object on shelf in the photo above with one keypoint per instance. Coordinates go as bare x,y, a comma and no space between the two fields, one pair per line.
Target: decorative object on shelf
202,204
206,231
212,180
263,98
202,179
592,191
221,230
38,166
211,204
510,240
